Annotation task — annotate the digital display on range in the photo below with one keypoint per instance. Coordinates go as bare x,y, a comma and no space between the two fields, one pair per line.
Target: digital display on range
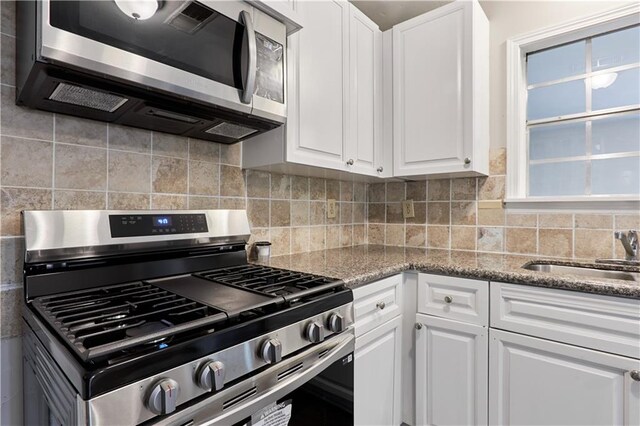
137,225
162,221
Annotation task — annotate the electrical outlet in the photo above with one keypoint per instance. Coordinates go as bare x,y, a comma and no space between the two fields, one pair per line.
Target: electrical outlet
407,209
331,208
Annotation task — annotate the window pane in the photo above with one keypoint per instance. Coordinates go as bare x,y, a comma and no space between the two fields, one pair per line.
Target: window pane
615,49
557,179
616,89
556,63
562,140
616,176
556,100
616,134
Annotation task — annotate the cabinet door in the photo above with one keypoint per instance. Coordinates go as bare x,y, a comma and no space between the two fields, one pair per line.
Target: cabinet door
535,381
318,85
377,376
364,146
451,372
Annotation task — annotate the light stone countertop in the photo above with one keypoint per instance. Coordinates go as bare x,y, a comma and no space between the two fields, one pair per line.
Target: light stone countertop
366,263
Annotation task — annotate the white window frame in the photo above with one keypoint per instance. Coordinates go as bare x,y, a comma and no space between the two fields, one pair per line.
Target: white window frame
517,50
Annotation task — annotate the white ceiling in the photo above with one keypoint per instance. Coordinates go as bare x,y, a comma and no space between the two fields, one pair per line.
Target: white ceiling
387,13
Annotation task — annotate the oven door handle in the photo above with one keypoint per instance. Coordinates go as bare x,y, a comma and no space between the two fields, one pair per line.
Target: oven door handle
211,412
250,83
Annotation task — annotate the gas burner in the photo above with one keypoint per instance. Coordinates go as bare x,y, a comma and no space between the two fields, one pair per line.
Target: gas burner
149,328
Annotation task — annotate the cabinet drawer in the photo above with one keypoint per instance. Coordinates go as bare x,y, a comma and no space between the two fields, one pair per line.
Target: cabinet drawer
376,303
454,298
609,324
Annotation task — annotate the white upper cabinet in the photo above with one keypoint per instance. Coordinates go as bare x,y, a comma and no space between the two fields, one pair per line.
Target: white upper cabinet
441,92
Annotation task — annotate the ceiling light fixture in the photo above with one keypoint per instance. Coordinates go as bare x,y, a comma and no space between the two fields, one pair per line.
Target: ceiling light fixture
138,9
602,81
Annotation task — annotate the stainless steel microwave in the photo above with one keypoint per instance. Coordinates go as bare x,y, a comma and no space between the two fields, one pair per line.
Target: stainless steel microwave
207,69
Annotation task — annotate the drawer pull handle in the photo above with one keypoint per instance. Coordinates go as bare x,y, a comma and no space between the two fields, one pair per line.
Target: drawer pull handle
635,375
448,299
380,305
418,326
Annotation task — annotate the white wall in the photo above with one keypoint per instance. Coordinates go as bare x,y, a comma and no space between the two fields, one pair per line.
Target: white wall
512,18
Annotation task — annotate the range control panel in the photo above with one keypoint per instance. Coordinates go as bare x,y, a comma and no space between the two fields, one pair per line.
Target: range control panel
139,225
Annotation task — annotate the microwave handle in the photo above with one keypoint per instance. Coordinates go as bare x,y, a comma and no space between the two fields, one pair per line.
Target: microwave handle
250,84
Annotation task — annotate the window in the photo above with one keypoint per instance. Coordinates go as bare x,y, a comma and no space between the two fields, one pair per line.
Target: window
574,111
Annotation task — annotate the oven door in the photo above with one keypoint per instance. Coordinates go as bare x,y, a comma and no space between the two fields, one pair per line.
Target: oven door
314,387
216,52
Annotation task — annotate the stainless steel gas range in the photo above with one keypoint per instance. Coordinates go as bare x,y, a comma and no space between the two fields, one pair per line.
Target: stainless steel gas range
155,317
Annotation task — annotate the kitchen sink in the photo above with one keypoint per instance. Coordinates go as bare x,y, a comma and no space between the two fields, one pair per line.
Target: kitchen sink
584,271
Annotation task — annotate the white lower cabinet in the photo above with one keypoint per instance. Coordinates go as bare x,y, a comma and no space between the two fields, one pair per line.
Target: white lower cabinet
377,376
451,372
540,382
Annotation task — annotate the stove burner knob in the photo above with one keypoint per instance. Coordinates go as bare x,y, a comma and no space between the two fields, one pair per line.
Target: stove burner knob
163,397
336,323
271,351
315,332
211,376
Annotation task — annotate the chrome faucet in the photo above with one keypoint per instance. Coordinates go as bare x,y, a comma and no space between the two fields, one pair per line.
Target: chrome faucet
630,243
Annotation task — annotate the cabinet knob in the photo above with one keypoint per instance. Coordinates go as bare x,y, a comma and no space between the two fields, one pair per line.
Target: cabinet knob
380,305
418,326
467,160
350,162
380,169
635,375
448,299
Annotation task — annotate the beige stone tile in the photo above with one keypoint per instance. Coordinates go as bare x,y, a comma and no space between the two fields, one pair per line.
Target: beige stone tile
555,220
205,203
358,212
80,167
416,191
170,145
7,61
376,193
625,222
463,238
12,259
439,190
590,244
258,184
280,187
359,236
300,213
129,139
619,251
333,189
125,201
594,221
463,189
491,217
555,242
359,192
13,200
280,241
169,202
299,188
169,175
80,131
498,161
232,182
437,213
316,189
521,240
346,235
317,213
22,121
280,213
17,162
79,200
491,188
204,151
438,237
375,233
376,213
316,238
420,211
231,154
395,192
204,178
8,23
346,213
463,213
333,236
129,172
230,203
10,310
394,235
394,213
522,219
490,239
346,191
416,235
258,212
300,240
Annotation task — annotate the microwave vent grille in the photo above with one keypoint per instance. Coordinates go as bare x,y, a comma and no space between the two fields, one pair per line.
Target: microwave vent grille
88,98
230,130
